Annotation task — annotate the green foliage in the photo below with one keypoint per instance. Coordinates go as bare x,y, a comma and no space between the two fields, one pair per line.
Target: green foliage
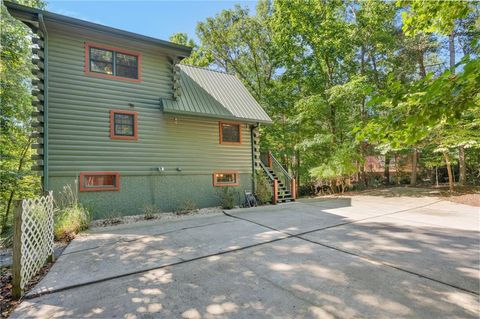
70,216
263,190
149,211
198,57
228,197
17,181
187,206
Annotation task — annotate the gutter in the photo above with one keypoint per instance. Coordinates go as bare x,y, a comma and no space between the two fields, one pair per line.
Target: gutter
45,101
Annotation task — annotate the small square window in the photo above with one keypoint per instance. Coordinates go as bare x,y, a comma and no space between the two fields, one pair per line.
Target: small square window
225,179
123,125
99,181
230,133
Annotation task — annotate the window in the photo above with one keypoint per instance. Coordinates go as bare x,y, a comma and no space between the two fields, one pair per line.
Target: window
230,133
123,125
102,61
225,179
99,181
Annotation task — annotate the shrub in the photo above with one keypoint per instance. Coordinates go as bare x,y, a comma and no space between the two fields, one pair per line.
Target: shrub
149,211
263,190
227,197
70,216
186,207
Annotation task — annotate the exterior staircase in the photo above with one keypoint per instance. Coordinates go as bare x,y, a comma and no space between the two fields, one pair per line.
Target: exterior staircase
283,184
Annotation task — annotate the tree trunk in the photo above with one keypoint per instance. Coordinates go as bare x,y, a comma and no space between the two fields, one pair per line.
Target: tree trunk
451,49
386,172
413,177
461,163
449,170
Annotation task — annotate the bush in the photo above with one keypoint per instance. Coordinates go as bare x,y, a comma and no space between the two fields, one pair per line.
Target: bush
149,211
70,216
227,197
187,206
263,190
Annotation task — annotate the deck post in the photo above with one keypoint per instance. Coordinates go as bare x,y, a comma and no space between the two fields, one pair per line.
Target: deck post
17,252
275,191
294,188
269,159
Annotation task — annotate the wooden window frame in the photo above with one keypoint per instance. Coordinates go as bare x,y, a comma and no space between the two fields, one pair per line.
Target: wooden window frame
237,179
87,71
112,125
221,124
84,188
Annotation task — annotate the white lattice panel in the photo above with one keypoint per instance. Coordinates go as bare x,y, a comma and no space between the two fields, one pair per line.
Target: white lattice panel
37,235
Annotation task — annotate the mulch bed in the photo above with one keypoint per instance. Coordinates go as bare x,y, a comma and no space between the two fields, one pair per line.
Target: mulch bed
7,303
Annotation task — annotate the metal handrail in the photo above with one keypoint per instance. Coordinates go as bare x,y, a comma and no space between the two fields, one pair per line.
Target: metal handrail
284,171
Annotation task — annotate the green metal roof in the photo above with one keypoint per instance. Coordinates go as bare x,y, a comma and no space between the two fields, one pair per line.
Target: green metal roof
209,93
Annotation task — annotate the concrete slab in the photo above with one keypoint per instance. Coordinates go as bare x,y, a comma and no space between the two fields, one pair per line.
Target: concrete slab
118,251
286,279
447,255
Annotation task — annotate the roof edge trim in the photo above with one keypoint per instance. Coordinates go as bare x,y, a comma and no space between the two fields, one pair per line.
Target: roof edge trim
18,10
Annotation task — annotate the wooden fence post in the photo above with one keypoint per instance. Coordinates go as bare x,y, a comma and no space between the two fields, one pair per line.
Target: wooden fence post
17,252
294,189
275,191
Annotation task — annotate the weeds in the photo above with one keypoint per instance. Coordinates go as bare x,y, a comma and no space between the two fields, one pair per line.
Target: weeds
70,216
187,206
149,211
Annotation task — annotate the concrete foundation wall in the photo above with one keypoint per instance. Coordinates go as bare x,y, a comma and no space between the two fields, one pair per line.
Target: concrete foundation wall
166,192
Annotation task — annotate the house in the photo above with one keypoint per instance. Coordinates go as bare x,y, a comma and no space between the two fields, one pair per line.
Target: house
123,122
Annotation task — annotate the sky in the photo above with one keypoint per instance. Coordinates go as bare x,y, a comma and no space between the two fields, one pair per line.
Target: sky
158,19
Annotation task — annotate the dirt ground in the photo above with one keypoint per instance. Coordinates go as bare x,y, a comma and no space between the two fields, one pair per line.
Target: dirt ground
468,195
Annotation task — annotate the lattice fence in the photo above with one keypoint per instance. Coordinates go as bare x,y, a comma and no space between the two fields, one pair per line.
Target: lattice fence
33,239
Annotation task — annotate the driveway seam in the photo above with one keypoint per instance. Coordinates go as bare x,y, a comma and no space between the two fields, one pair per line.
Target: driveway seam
366,257
143,236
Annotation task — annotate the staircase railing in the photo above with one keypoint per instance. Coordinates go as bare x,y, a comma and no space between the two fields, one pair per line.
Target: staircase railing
282,174
269,162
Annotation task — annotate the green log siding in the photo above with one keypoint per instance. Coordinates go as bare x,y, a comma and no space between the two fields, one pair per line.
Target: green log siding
79,123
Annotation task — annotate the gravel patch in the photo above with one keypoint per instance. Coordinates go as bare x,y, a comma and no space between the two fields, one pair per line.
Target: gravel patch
156,217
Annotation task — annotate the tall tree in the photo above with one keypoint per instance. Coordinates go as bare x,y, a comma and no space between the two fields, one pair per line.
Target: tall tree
17,181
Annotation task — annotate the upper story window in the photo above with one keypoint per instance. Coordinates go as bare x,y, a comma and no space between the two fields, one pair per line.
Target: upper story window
123,125
107,62
230,133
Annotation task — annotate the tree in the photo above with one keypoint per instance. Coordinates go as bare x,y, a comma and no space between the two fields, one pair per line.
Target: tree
198,57
17,181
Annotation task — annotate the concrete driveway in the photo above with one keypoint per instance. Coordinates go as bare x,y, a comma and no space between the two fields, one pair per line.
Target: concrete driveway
364,256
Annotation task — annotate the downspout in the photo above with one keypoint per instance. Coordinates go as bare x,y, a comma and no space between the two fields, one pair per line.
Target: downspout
252,139
45,101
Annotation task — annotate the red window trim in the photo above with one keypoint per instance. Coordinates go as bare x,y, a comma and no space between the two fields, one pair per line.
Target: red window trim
220,124
87,71
135,125
237,179
116,188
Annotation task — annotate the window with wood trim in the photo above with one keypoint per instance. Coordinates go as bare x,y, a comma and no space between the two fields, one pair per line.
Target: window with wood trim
226,178
114,63
123,125
99,181
230,133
